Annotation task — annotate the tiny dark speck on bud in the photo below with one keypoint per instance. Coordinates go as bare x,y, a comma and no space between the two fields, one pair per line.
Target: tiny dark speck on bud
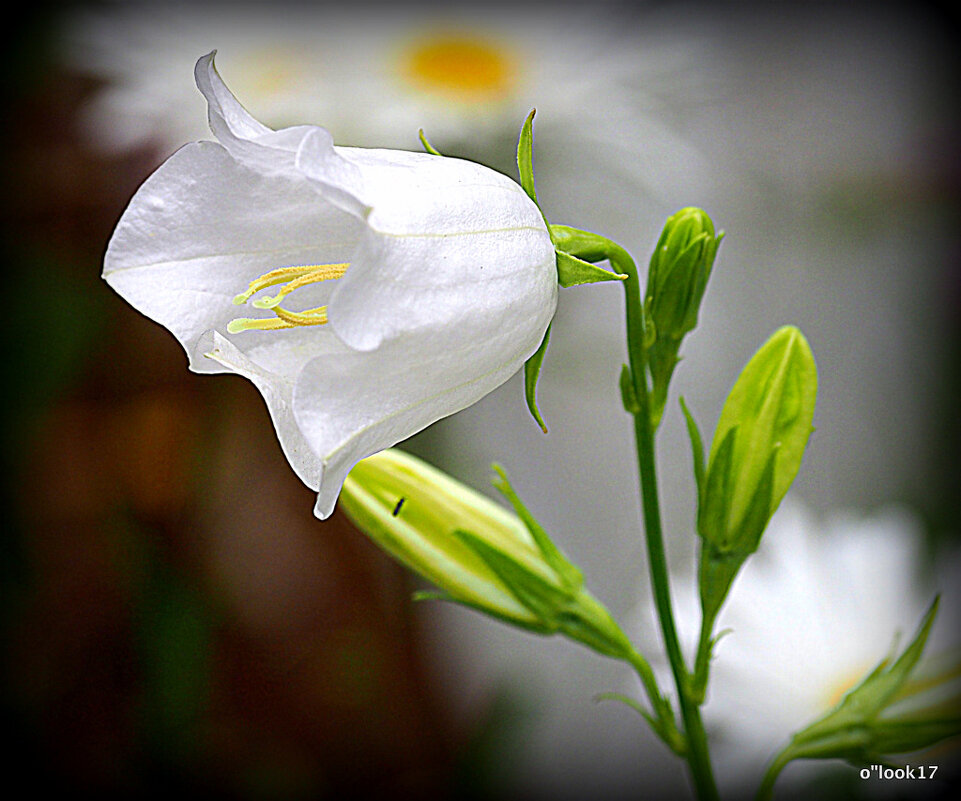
397,508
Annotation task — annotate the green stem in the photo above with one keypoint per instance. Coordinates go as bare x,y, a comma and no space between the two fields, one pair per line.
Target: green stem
766,790
703,658
697,753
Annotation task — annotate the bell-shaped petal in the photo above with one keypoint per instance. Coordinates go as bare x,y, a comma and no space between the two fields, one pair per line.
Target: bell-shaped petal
401,287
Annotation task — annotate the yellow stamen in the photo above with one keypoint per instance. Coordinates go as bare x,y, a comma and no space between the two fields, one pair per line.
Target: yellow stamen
322,272
271,279
252,324
460,66
316,316
293,278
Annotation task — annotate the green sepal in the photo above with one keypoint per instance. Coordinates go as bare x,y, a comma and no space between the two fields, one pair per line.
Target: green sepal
712,513
876,691
594,628
772,404
537,594
679,286
628,396
574,271
583,244
525,156
901,736
532,371
857,729
697,448
668,733
427,145
747,537
570,576
577,251
440,595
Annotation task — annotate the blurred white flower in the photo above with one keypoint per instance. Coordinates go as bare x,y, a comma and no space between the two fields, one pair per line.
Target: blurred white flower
437,277
468,76
810,615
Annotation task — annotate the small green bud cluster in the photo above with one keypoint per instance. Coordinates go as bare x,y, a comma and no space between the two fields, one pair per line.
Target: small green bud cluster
677,277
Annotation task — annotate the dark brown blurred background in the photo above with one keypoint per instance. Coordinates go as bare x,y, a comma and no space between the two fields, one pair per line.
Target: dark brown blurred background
173,617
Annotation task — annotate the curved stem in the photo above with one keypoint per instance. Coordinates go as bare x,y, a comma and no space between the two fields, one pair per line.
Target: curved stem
766,790
697,755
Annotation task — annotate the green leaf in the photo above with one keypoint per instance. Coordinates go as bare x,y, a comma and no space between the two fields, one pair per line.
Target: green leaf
525,156
697,447
431,595
573,271
427,145
532,371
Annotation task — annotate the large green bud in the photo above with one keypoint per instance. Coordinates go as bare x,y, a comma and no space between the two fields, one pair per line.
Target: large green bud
475,551
759,442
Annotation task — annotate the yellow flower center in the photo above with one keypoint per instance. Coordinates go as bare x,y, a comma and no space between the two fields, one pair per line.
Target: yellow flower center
292,278
460,66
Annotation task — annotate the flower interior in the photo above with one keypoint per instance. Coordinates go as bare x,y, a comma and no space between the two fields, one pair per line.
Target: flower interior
460,66
292,278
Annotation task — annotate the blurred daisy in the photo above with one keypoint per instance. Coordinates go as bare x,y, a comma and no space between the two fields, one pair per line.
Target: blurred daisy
813,612
468,77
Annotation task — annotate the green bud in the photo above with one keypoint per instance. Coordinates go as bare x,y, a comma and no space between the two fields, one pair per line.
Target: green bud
877,719
760,439
679,270
478,553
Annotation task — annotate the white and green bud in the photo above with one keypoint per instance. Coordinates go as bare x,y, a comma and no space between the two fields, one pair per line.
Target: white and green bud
474,550
679,270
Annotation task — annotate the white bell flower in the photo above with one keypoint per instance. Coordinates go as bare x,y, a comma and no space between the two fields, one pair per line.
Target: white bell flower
421,282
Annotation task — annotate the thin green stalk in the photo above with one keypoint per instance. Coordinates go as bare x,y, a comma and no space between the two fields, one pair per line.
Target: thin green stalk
766,790
697,754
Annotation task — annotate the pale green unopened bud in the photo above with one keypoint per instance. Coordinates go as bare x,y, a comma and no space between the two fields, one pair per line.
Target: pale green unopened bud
680,267
478,553
760,439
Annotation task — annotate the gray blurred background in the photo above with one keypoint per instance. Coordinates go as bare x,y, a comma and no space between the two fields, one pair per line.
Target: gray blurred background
175,620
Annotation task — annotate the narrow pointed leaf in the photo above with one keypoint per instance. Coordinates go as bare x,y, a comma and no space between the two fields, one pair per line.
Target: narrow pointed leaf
532,371
570,575
542,598
713,513
429,595
525,156
697,447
